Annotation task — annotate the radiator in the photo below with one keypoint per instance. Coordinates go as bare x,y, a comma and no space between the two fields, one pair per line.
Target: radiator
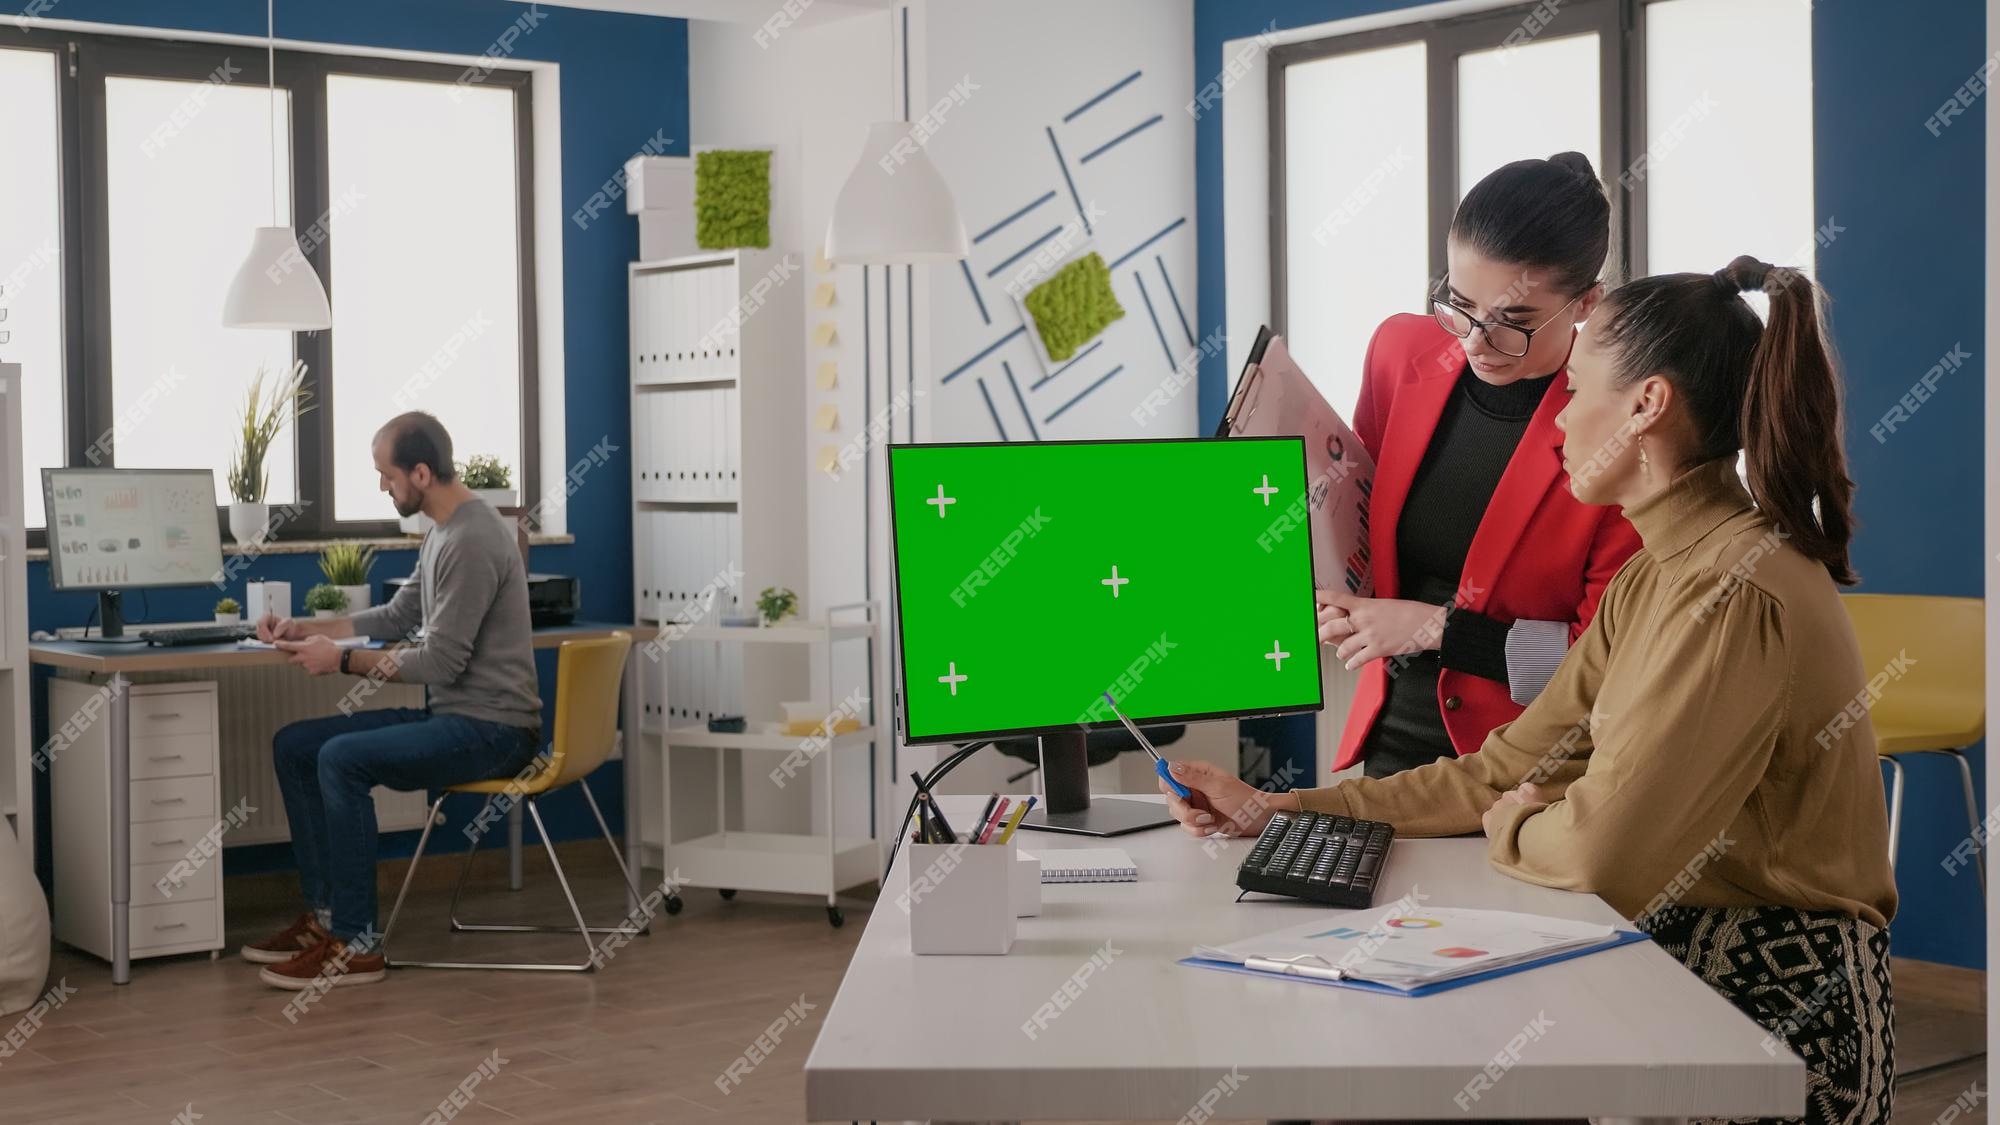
252,703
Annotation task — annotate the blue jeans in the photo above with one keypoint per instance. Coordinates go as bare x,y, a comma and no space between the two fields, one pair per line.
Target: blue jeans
326,768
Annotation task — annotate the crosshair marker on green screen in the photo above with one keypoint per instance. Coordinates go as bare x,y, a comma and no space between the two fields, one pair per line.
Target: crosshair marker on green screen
1033,578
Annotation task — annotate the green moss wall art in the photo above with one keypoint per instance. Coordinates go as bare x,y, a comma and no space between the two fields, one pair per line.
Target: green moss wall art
1073,306
732,198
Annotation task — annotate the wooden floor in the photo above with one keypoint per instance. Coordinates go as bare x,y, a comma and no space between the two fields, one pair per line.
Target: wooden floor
642,1041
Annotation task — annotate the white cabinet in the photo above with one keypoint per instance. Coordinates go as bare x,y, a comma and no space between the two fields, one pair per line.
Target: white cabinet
16,755
177,822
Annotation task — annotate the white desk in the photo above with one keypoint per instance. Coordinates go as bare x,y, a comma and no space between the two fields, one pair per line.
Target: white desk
1630,1033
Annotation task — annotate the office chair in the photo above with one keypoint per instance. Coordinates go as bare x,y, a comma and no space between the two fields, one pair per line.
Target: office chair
588,676
1938,706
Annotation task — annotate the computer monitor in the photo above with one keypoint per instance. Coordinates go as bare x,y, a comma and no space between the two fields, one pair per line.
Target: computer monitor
126,529
1033,579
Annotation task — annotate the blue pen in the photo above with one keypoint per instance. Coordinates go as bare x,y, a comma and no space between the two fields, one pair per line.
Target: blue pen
1159,763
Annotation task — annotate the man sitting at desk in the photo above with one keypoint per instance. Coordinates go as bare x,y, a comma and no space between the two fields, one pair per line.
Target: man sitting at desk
476,658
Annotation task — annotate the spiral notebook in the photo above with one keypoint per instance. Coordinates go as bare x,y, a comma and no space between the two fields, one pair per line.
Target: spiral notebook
1089,865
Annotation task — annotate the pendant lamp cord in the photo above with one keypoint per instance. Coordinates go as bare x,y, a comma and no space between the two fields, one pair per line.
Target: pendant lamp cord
271,103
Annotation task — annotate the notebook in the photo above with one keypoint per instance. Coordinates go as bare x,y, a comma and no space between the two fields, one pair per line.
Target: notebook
1089,865
339,642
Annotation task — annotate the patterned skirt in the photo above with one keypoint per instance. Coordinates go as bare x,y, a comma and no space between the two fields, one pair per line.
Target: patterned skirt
1817,981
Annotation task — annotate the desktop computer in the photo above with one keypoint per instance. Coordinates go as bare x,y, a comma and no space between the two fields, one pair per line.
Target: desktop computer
1046,589
112,530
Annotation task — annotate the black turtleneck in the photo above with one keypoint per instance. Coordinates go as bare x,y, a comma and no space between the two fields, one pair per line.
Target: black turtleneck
1476,436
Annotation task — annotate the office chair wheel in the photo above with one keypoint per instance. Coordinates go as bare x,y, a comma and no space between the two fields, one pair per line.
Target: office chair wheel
727,893
673,904
834,917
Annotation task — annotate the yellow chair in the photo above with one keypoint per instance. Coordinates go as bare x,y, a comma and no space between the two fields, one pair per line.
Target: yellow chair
1938,705
588,676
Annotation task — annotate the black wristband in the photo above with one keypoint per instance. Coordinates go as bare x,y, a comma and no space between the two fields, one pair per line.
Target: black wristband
1474,643
344,654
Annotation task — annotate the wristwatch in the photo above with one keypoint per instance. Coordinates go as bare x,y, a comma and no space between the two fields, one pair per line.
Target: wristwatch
344,654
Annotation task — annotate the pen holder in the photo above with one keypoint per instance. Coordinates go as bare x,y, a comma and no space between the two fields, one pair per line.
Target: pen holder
1027,885
960,898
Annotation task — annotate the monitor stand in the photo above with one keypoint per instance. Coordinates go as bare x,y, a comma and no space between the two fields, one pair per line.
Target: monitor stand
111,621
1066,804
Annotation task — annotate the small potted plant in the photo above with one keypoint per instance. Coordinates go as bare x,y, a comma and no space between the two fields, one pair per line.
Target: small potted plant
326,600
227,612
345,566
776,603
264,418
490,479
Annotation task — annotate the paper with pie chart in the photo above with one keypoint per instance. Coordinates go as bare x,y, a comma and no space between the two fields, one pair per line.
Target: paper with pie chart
1032,579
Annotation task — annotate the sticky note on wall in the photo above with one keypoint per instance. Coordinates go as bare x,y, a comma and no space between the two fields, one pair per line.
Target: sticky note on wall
828,459
820,262
824,336
827,417
829,375
823,295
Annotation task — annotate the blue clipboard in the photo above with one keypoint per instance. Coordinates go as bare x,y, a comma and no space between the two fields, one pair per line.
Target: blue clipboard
1620,938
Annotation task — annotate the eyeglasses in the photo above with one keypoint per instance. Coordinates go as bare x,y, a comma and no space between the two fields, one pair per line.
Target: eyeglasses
1507,339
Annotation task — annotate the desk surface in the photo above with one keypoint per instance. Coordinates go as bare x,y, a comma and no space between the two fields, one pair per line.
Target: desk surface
1627,1032
93,656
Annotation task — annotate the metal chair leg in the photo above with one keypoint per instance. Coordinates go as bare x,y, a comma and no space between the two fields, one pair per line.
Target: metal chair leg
430,821
465,872
589,962
549,845
617,853
1972,818
518,928
1895,806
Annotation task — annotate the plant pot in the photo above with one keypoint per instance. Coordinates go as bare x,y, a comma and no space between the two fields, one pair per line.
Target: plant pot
248,521
325,613
498,497
229,619
416,523
357,596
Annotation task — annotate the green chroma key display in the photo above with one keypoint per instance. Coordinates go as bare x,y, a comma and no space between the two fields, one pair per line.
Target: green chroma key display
1033,578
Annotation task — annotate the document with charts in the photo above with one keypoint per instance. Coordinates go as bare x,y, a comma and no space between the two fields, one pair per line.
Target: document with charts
1406,948
1273,398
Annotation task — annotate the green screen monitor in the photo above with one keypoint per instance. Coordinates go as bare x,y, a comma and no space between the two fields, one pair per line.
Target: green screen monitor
1032,579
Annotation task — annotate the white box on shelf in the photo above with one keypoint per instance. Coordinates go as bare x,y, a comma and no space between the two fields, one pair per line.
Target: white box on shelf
961,898
667,233
660,183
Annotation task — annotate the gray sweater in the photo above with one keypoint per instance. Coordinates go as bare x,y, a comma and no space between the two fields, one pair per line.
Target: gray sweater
471,597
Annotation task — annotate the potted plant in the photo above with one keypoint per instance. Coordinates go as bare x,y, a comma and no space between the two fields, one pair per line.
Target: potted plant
490,479
345,566
227,612
264,418
776,603
326,600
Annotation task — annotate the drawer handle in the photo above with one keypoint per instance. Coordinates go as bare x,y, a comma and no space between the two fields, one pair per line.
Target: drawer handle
164,843
168,715
170,926
165,757
170,800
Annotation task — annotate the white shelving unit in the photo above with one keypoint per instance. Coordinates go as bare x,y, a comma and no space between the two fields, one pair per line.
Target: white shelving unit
821,863
718,395
17,791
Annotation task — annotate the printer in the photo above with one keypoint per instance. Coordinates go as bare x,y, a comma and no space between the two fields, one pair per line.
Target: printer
553,599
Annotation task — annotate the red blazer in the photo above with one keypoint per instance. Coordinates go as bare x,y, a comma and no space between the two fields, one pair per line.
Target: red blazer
1539,554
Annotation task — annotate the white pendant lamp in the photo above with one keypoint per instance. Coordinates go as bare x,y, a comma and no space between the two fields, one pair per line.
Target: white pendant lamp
894,208
275,287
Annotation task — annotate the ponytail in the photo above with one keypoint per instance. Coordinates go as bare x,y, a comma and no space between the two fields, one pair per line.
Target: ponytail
1768,389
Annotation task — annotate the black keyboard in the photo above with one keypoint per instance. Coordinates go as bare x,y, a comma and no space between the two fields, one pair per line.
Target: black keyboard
1318,857
199,635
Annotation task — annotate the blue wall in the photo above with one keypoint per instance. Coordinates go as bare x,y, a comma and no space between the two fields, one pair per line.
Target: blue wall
1906,280
623,79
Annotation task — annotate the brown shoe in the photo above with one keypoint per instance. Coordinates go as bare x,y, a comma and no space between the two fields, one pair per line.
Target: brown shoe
301,935
326,965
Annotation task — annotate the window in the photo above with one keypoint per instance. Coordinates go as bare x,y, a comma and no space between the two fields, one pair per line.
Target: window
1376,136
141,168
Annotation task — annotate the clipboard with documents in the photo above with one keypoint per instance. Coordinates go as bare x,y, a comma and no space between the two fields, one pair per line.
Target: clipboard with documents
1274,398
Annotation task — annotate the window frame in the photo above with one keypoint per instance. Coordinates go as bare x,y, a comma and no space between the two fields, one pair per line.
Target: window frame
1620,52
84,62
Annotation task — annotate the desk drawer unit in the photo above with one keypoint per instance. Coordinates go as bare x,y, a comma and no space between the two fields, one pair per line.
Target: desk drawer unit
175,802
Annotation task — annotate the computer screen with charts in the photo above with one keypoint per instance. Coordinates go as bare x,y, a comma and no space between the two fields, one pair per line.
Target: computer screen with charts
132,528
1032,579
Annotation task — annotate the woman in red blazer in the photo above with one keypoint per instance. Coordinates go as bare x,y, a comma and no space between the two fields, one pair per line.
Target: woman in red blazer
1485,567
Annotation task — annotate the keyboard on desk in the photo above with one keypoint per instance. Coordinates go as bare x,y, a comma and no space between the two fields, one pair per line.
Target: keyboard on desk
199,635
1318,857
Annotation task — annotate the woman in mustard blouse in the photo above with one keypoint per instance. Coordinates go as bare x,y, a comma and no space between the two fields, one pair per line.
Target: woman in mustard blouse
1691,762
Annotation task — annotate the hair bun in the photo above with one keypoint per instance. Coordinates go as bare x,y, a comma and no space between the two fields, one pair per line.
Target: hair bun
1743,273
1575,162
